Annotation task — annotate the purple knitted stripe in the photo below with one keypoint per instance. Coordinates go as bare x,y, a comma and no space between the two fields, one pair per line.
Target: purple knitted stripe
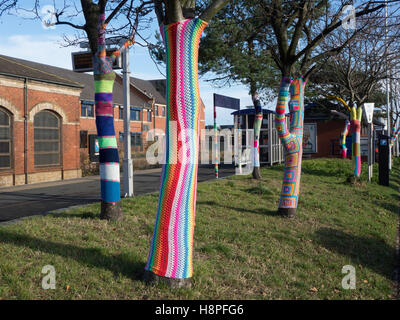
103,97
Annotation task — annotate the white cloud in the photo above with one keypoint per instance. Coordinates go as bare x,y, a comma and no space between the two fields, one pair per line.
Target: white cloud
42,49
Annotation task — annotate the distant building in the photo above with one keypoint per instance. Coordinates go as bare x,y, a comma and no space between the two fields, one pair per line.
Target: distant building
321,134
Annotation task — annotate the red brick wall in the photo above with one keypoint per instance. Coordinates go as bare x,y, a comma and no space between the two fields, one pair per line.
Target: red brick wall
68,107
328,130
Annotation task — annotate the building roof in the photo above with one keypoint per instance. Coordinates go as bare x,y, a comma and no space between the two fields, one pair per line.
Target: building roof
22,68
46,73
153,88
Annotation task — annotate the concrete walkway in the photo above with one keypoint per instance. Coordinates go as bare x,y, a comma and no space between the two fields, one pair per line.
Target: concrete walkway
35,199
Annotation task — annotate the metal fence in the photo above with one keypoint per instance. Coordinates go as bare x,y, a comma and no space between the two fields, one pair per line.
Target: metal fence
271,148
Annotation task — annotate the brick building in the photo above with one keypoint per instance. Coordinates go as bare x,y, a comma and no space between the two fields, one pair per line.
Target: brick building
39,125
47,114
327,129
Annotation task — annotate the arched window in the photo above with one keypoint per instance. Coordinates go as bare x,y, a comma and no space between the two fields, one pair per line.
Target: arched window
5,140
47,139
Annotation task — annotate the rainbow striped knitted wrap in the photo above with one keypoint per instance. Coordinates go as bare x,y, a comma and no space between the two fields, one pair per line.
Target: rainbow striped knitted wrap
103,83
171,249
292,139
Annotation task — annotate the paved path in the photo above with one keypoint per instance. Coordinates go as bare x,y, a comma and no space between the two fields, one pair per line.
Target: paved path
28,200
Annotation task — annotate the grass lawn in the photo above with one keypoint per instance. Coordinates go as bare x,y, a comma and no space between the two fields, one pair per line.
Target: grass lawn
243,250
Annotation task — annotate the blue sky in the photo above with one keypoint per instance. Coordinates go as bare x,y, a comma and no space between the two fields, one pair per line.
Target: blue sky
28,39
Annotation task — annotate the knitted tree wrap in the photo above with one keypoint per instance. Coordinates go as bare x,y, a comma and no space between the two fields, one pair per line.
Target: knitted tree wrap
171,249
108,156
257,128
343,139
291,139
395,134
355,124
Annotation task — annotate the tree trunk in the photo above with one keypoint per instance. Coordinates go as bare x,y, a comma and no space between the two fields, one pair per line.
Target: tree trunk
171,249
104,77
292,140
256,145
355,124
343,139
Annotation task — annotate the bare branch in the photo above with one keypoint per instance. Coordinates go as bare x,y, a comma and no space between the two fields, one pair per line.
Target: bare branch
213,9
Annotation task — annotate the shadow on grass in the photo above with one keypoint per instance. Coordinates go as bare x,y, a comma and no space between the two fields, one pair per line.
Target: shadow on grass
264,212
393,208
80,215
373,253
118,264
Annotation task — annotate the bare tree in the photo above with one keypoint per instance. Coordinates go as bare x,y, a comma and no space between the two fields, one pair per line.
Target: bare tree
7,5
357,74
395,111
299,28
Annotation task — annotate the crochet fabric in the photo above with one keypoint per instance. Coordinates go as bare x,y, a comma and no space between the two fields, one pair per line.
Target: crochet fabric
395,134
103,83
343,139
257,128
292,140
355,124
171,249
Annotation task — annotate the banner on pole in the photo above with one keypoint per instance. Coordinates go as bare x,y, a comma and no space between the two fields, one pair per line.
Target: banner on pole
226,102
369,111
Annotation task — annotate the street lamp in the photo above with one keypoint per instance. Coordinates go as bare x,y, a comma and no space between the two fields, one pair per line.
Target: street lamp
388,124
127,167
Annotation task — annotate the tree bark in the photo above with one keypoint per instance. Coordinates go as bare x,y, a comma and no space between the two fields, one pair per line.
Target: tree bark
258,116
104,77
213,9
171,249
91,13
292,139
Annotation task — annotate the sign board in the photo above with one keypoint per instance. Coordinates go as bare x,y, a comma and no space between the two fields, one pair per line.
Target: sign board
310,138
94,149
226,102
82,61
369,111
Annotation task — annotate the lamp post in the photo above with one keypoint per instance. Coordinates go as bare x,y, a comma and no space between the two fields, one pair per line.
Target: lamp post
127,167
